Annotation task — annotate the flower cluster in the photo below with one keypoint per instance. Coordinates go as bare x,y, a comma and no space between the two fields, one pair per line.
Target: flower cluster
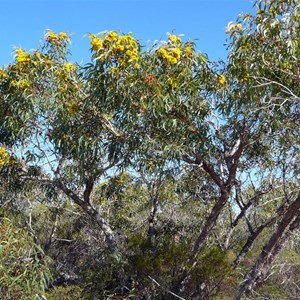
123,48
189,51
55,39
175,51
21,84
233,27
172,82
69,67
22,57
246,77
170,55
222,79
73,108
112,36
4,157
3,75
62,35
61,89
115,70
62,75
96,43
174,39
66,82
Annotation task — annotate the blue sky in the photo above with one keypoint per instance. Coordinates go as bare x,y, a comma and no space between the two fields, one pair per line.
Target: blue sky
24,22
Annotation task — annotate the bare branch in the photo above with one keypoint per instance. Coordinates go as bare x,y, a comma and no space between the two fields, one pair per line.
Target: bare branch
269,82
165,289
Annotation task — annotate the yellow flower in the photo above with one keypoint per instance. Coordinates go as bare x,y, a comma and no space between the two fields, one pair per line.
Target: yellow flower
115,70
125,39
24,84
176,52
69,67
62,89
3,152
112,36
3,75
162,52
134,58
172,82
73,108
170,56
202,59
62,35
96,43
121,41
14,83
286,66
174,39
22,56
37,54
222,79
246,77
123,49
62,75
172,60
118,47
4,157
52,37
233,27
136,65
189,50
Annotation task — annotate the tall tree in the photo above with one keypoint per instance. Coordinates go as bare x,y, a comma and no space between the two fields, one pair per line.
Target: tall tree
232,125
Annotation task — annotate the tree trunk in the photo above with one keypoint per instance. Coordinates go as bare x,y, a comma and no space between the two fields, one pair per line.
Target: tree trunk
152,221
232,160
242,214
248,245
93,213
272,248
210,223
256,233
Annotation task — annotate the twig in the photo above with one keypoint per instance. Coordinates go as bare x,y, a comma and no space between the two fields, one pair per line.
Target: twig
170,292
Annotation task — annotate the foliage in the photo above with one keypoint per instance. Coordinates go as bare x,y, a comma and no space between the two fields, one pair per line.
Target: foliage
156,172
24,268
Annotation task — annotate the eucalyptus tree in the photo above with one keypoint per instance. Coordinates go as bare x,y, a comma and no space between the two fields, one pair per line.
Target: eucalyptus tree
234,125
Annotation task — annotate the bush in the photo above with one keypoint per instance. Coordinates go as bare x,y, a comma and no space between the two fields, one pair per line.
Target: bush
24,271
